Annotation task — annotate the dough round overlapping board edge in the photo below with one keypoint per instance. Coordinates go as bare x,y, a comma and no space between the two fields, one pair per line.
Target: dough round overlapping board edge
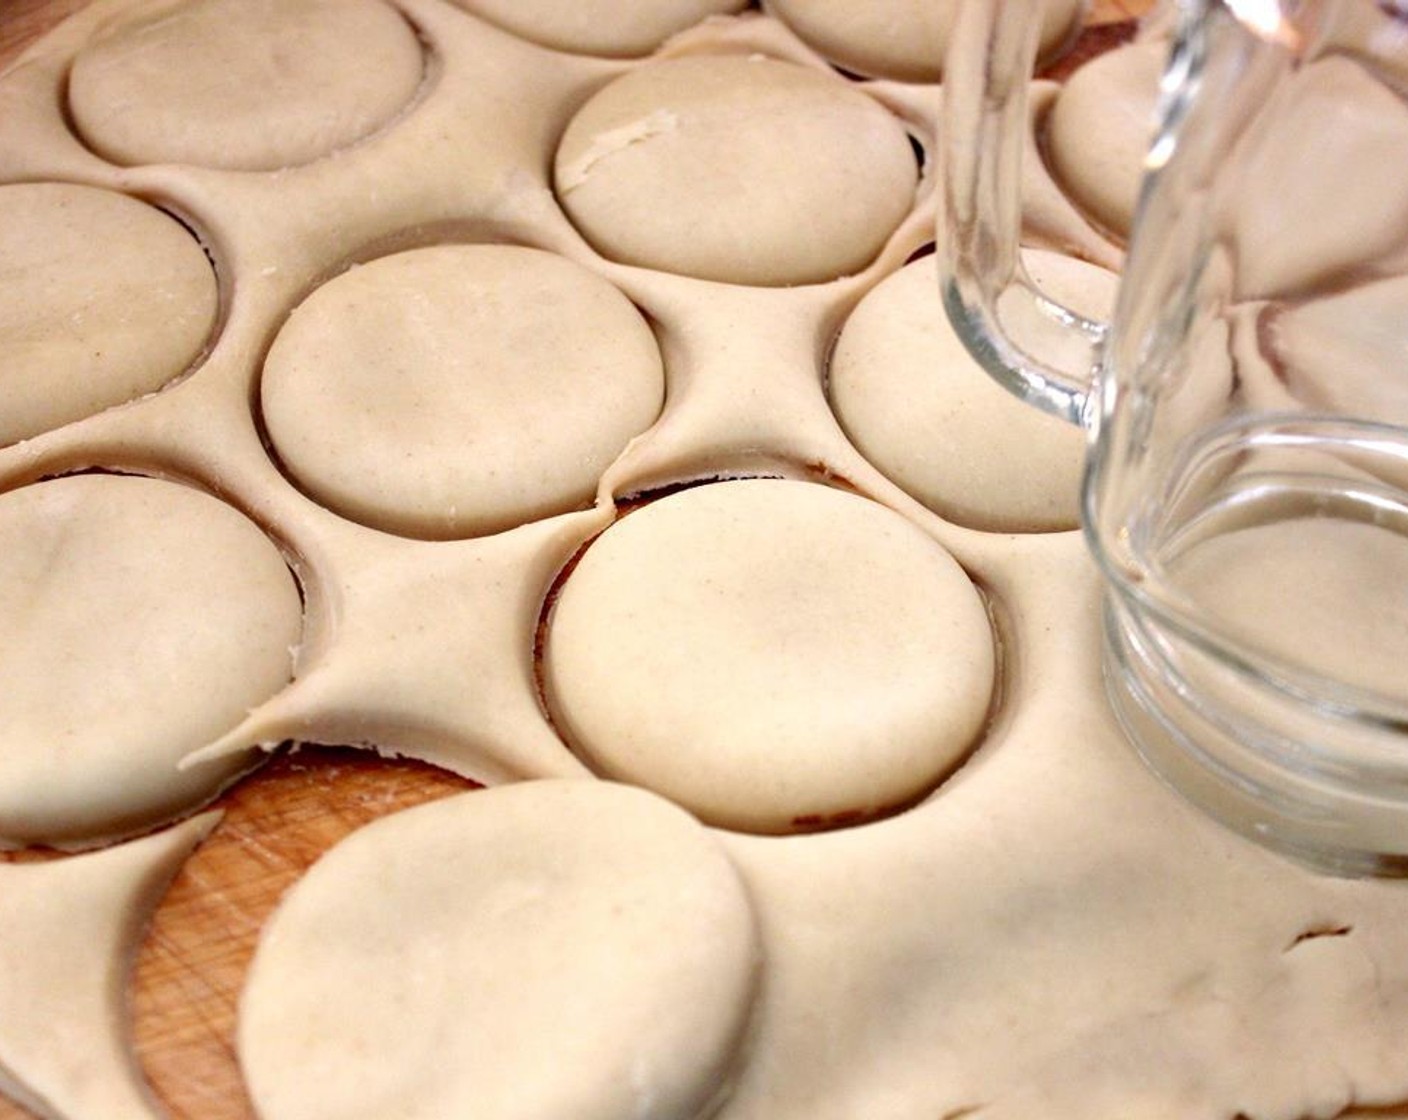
584,921
1050,932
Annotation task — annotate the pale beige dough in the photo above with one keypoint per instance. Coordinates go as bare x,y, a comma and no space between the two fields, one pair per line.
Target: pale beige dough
613,28
1344,353
1050,934
771,655
901,39
922,410
1344,196
1100,128
459,390
72,927
1317,593
106,299
250,84
141,619
745,170
538,951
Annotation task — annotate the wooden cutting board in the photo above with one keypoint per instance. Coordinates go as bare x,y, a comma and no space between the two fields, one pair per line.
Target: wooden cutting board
190,968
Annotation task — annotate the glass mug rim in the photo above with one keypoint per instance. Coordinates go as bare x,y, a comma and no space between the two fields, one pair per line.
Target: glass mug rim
1236,748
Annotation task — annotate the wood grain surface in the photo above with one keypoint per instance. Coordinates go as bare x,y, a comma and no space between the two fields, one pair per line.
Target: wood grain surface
190,968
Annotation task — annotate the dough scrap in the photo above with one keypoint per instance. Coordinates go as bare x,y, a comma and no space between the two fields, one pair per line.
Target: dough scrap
771,655
611,28
901,39
459,390
141,618
920,408
542,950
253,85
743,170
71,930
106,299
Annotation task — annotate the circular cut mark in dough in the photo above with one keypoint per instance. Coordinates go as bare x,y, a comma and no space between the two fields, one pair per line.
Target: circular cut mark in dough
547,949
1344,353
772,655
901,39
610,28
1099,131
459,390
252,85
142,619
106,299
743,170
919,407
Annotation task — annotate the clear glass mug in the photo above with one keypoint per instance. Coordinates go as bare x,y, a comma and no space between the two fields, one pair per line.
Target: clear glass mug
1246,488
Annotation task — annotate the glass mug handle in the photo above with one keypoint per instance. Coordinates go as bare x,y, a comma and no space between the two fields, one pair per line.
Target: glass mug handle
1001,316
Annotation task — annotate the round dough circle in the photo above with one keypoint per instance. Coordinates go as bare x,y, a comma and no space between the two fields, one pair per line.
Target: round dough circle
1343,353
772,655
106,299
459,390
918,406
1318,593
611,28
1099,130
901,39
142,619
743,170
438,961
253,85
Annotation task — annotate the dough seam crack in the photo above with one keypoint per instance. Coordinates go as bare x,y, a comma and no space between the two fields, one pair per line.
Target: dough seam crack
614,141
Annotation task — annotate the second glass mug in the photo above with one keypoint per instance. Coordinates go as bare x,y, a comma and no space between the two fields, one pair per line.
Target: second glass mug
1246,487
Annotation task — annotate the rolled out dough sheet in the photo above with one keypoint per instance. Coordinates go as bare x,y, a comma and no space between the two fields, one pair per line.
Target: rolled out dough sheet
1033,927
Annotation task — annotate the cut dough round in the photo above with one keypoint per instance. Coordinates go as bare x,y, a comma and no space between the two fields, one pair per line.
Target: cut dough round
921,409
901,39
613,28
459,390
1345,196
253,85
745,170
1100,128
548,949
772,655
142,619
1343,353
1319,593
106,299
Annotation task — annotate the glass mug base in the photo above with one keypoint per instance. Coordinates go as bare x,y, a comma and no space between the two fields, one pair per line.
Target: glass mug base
1288,775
